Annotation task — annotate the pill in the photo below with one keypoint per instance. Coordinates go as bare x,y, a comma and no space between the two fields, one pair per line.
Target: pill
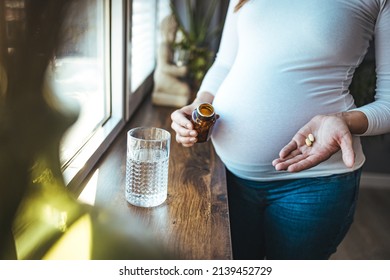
308,142
311,137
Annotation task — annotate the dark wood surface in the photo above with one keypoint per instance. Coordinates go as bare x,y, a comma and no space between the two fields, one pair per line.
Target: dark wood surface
193,222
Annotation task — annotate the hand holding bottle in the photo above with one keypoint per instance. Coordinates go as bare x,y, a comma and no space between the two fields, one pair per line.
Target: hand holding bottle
186,133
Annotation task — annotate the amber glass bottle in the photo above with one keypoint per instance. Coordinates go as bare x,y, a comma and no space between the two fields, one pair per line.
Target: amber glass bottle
204,118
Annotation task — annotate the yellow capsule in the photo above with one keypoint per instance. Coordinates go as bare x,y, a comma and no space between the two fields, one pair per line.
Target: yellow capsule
308,142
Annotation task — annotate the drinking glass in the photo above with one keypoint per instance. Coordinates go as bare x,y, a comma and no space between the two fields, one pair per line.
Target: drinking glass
147,166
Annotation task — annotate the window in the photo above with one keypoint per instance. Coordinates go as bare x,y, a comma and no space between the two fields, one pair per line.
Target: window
146,16
101,71
79,73
142,41
89,71
108,57
143,34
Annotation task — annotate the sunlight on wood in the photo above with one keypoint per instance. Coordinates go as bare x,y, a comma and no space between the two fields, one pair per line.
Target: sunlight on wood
88,195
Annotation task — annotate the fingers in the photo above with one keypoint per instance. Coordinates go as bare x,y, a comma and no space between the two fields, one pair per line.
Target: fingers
305,163
347,150
297,142
181,117
285,158
288,149
284,164
299,162
331,135
185,134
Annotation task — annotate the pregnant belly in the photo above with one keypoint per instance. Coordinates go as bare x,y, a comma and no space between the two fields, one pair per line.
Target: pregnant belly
254,126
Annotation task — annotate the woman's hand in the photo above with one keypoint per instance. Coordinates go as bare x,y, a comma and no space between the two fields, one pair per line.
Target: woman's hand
181,120
181,124
331,133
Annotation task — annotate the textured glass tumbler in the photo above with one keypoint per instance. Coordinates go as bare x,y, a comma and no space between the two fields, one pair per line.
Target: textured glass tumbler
147,166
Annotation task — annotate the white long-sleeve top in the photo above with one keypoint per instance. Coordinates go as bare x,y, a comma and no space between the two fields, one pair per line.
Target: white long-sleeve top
280,63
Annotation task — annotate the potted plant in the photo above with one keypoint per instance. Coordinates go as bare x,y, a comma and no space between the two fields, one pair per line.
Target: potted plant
192,44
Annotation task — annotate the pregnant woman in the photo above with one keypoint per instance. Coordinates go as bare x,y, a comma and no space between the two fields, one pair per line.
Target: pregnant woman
289,131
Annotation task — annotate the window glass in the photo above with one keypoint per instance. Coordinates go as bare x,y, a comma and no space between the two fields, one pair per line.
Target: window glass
90,70
143,41
79,73
146,17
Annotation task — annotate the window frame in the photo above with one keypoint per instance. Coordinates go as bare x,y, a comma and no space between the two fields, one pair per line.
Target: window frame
124,101
83,162
134,98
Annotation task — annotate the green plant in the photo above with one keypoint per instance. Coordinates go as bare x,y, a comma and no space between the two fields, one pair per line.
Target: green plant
195,35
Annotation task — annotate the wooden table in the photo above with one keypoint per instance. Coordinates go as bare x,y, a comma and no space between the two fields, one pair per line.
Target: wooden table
194,221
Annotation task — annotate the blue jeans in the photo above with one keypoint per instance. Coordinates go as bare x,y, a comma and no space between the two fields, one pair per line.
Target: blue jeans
301,219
